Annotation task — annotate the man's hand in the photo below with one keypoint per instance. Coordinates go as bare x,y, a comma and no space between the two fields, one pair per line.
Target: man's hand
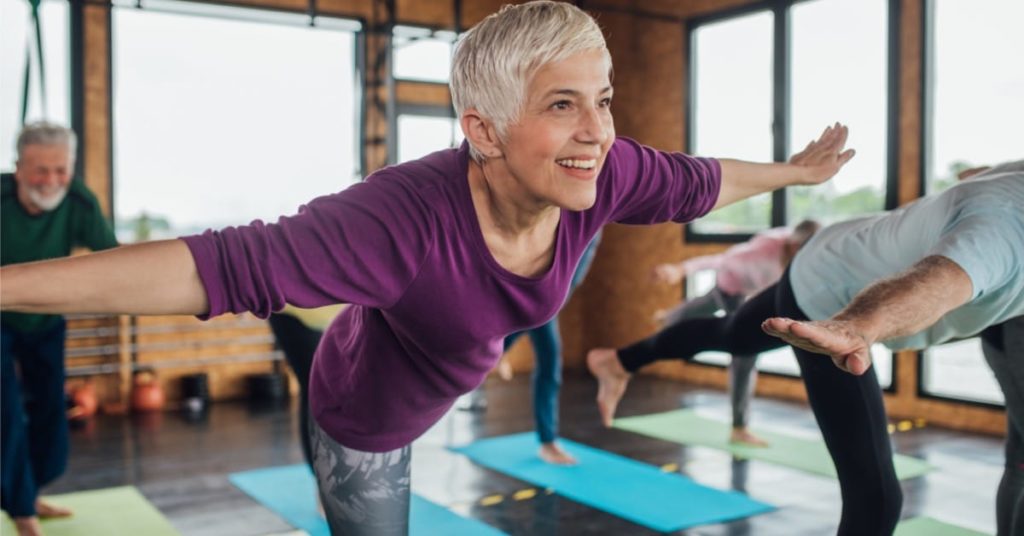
824,157
668,273
849,348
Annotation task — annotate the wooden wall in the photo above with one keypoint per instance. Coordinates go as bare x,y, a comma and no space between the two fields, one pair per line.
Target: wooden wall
646,39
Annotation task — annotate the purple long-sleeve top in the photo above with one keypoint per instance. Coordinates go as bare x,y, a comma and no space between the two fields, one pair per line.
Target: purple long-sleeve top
430,305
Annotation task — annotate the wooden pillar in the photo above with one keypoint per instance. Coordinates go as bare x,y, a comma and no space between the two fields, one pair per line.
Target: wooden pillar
96,114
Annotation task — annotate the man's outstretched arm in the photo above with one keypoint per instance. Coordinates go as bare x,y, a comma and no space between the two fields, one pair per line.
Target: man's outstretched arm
893,307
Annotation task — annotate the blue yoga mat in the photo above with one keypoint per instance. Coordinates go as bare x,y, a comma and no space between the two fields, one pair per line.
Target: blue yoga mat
627,488
290,491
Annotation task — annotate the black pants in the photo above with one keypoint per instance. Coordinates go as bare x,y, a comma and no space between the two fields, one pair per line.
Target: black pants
849,409
298,342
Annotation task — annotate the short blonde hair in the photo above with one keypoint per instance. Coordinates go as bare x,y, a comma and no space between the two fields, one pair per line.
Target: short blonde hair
495,61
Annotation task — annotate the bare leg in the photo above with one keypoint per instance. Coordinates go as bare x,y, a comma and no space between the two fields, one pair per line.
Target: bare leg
742,378
611,381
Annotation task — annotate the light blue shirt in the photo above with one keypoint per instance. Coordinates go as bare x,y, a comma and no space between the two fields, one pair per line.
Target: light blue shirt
978,224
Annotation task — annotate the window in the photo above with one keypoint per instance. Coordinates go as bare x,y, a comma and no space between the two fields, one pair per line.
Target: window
838,73
226,115
766,82
421,54
420,135
780,361
732,109
17,43
973,112
958,370
973,87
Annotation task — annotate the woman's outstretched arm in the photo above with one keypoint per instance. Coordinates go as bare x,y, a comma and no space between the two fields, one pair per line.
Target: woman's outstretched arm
152,278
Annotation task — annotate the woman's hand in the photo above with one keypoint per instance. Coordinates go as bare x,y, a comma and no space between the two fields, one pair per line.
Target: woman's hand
668,273
824,157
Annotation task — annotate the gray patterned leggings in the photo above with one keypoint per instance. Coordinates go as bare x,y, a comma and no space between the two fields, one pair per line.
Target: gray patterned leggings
362,493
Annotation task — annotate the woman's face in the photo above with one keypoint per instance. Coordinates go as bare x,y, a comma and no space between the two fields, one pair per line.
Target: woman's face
558,146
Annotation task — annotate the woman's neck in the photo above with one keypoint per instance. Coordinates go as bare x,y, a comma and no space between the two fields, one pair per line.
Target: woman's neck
519,229
503,206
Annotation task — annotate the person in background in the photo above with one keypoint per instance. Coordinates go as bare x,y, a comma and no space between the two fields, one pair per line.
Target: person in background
44,214
740,272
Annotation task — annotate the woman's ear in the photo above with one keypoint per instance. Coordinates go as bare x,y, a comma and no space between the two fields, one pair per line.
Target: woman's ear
481,133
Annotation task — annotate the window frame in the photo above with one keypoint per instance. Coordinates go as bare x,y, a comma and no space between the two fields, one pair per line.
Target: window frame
782,106
395,108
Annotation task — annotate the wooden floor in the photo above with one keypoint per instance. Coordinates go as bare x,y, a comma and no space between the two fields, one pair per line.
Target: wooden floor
182,466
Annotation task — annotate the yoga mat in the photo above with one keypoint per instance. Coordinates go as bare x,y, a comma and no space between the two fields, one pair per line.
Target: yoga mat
687,427
926,526
627,488
290,492
121,510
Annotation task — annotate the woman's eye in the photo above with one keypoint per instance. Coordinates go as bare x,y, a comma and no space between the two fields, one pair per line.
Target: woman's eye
562,105
606,102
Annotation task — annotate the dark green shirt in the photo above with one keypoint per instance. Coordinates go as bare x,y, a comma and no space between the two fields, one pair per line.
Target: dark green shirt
76,222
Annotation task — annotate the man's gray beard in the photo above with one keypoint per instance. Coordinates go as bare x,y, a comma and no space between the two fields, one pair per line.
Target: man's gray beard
48,202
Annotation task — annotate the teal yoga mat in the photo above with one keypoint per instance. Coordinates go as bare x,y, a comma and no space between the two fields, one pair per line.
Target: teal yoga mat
627,488
687,427
289,491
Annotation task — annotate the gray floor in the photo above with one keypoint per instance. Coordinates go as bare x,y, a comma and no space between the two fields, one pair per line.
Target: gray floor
182,466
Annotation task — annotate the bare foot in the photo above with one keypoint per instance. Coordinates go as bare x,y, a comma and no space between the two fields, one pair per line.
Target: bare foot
611,381
742,435
46,510
553,454
505,371
28,526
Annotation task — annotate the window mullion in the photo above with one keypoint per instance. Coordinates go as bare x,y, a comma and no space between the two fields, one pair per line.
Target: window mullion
780,103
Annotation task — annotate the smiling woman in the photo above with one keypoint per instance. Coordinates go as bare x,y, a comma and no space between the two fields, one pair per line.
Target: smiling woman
441,257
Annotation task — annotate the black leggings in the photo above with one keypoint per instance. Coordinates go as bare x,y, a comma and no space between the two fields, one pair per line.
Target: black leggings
298,342
849,409
738,333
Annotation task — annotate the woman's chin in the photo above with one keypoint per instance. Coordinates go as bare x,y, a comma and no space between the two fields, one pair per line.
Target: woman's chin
578,203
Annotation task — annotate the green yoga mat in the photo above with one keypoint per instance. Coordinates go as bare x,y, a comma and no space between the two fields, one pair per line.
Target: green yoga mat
926,526
687,427
120,510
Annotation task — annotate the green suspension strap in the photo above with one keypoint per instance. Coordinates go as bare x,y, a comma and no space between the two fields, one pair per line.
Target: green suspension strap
34,5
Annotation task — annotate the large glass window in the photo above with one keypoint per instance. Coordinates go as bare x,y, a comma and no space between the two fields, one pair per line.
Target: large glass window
838,73
228,115
18,48
732,108
974,109
764,84
974,87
